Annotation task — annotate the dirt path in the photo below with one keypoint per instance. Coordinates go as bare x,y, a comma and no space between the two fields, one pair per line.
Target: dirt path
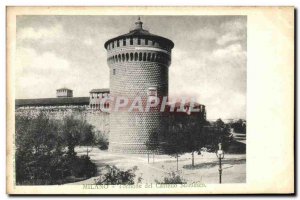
205,169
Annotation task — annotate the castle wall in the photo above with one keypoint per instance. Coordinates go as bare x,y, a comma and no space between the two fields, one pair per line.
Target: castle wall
100,120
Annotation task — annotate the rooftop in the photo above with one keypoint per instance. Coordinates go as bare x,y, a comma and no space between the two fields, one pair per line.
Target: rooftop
53,101
64,89
139,31
102,90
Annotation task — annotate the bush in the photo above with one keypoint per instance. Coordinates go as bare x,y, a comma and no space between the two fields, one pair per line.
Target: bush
83,167
173,178
115,176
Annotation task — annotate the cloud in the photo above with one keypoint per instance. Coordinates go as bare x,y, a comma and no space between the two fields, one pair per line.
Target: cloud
47,34
28,61
232,31
229,53
36,74
205,33
228,38
217,79
88,41
236,25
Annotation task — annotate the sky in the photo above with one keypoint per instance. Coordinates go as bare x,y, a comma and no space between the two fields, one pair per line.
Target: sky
209,59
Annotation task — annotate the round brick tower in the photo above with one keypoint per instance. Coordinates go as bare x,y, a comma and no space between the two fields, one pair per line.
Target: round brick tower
138,63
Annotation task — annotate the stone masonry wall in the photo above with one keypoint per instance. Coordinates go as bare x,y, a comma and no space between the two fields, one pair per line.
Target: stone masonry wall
100,120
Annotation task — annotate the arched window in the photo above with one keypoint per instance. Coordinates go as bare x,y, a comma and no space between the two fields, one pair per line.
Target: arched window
158,58
131,56
131,41
116,59
140,56
123,57
127,56
153,57
119,58
136,56
149,57
144,57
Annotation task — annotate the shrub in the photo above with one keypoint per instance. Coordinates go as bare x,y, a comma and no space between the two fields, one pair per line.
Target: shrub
115,176
83,167
173,178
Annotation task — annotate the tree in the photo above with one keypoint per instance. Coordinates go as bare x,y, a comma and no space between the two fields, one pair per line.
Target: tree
219,123
192,136
239,126
40,153
37,142
76,132
87,135
174,144
152,144
102,140
221,134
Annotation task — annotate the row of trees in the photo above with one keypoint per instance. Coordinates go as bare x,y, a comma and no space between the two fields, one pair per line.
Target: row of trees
239,126
45,149
188,135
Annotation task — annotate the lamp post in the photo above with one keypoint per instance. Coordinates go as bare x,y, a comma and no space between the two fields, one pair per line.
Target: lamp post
220,155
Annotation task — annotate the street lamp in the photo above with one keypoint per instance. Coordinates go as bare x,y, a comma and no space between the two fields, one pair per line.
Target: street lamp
220,155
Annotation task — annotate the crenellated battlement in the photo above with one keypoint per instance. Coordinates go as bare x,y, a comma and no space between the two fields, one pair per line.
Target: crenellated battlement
140,56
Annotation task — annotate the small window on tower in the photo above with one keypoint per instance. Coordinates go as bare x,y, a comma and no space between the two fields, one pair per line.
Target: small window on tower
114,71
152,94
139,41
124,42
152,91
131,41
146,41
118,43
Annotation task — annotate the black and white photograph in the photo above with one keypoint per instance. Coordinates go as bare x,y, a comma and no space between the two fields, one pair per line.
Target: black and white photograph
130,101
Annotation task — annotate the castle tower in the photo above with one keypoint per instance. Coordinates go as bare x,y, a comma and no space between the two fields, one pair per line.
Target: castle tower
138,63
64,92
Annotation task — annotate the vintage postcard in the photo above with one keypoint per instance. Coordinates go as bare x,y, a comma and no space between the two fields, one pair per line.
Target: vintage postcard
150,100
